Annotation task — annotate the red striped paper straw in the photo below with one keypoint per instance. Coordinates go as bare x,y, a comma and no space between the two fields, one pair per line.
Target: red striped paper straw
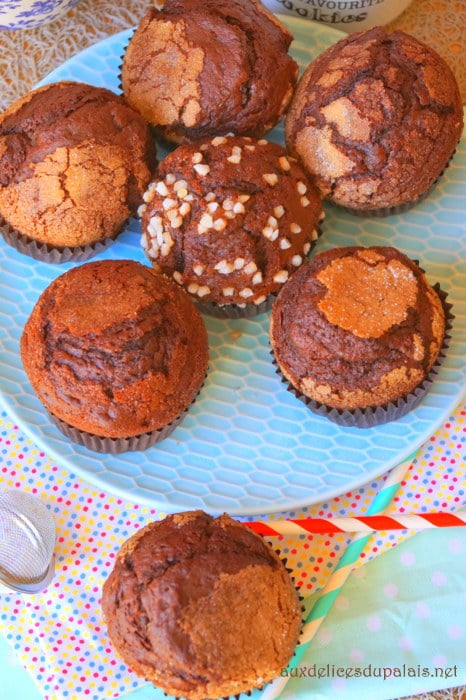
368,523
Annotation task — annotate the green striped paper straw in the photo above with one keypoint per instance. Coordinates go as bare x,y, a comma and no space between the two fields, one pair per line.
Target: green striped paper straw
340,574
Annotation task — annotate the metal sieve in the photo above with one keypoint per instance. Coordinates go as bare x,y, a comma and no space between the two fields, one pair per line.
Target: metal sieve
27,542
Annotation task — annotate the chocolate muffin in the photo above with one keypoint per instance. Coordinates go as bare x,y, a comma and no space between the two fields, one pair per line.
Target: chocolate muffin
375,120
358,328
202,607
115,350
230,219
199,69
74,162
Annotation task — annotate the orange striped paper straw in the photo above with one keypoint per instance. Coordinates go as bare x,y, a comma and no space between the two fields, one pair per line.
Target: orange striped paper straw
361,523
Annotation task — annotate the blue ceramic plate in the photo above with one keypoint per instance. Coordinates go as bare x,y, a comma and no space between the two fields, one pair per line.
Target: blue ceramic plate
249,446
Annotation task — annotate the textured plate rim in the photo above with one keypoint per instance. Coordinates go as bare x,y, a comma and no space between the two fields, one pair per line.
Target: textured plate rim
150,498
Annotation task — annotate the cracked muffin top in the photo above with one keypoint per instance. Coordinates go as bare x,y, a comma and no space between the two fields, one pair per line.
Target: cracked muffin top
230,219
375,120
202,607
357,327
74,162
199,69
115,349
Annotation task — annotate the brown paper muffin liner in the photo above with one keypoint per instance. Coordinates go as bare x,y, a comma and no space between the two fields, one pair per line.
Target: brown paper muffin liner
401,208
235,310
46,253
378,415
387,211
114,446
122,58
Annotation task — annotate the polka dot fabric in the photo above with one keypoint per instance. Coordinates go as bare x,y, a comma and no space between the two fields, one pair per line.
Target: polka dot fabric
59,636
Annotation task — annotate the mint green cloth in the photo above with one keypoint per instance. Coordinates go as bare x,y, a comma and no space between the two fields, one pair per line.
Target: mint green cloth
398,627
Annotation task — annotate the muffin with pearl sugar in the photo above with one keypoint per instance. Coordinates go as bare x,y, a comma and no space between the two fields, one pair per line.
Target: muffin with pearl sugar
230,219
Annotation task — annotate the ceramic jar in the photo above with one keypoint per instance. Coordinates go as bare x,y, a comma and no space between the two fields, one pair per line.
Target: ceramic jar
346,15
25,14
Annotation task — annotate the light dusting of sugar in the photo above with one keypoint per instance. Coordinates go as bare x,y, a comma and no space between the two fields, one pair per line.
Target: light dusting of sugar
376,295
